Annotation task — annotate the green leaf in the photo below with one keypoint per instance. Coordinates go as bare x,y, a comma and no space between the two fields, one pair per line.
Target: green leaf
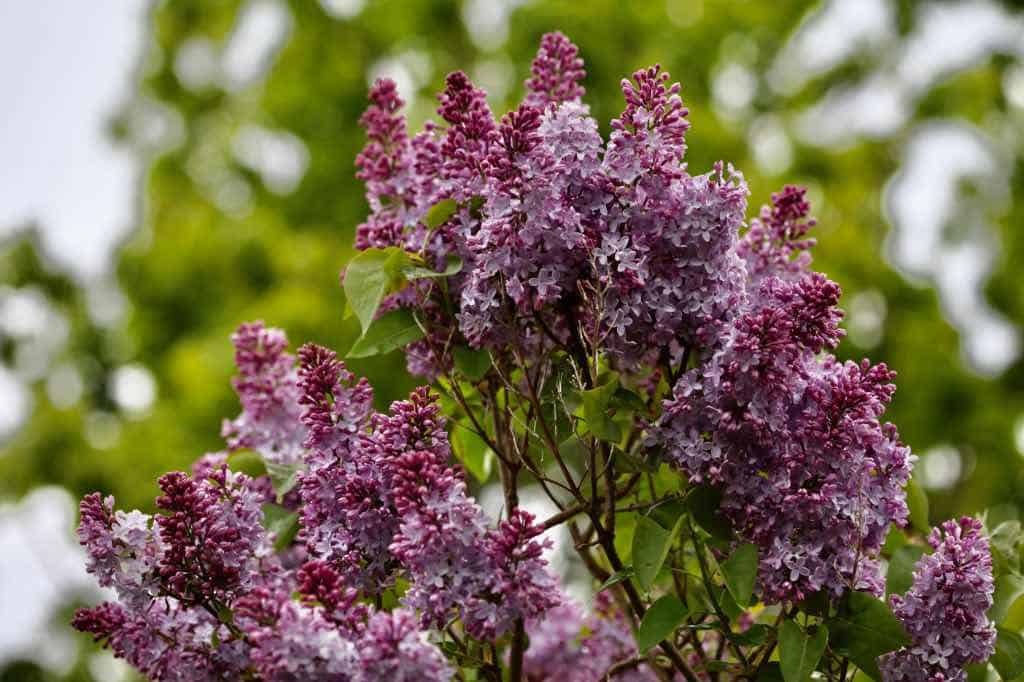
595,411
473,452
471,363
799,652
901,569
615,578
1009,587
1005,540
1008,660
282,523
865,630
453,265
248,462
740,573
770,672
755,635
626,400
659,622
917,501
703,503
438,214
668,512
369,276
283,477
392,330
651,543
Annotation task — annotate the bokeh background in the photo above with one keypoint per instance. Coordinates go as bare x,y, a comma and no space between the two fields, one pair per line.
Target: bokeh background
171,169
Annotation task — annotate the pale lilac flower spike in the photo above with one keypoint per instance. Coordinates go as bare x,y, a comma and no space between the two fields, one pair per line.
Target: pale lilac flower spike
945,609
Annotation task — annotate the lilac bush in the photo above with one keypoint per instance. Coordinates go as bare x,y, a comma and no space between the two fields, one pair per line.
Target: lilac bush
598,324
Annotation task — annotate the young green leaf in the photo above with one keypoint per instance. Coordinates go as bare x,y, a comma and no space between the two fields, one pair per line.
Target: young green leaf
283,477
668,512
917,501
799,651
453,265
438,214
864,630
471,363
247,462
1006,539
473,453
616,578
1009,588
392,330
740,573
659,622
651,543
369,276
595,411
282,523
901,569
703,503
1008,660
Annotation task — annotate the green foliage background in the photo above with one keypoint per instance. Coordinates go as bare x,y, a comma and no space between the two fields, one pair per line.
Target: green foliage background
192,273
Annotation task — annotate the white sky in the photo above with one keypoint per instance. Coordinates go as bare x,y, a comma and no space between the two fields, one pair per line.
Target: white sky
64,69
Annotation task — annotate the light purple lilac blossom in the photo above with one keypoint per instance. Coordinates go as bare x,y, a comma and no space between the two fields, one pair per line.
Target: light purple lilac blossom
789,434
945,609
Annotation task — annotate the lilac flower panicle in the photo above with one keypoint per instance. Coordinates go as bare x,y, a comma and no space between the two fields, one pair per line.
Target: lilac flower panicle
649,135
267,388
393,648
556,72
347,516
568,645
945,609
792,437
212,533
442,531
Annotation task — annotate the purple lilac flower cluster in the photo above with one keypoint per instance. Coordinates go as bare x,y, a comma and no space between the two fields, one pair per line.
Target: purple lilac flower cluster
614,255
573,647
201,594
789,434
945,609
555,228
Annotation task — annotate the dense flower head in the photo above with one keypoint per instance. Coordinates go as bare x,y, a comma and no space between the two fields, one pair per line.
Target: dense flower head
556,72
568,645
455,563
792,437
212,535
347,516
559,231
649,137
575,262
945,609
669,274
393,648
267,388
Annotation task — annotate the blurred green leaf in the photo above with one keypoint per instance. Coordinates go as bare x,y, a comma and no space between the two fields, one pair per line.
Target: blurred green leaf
369,276
438,214
651,543
917,501
799,651
864,630
388,332
901,569
472,363
248,462
660,620
595,410
1008,660
740,573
